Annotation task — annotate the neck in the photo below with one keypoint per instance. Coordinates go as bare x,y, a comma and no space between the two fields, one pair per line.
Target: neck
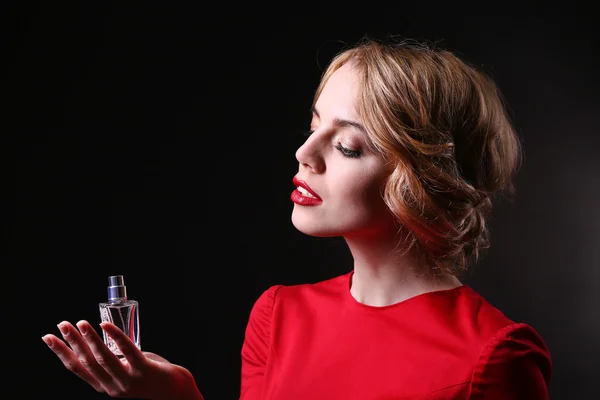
385,275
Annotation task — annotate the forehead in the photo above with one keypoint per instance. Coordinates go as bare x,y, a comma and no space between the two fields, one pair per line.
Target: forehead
338,98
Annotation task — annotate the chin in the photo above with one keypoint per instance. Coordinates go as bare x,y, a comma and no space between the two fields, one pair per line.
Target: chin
310,227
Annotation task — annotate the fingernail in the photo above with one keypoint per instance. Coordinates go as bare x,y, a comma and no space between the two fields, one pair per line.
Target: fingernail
47,341
63,329
82,328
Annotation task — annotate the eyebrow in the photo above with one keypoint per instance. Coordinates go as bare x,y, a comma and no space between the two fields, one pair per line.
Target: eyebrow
343,123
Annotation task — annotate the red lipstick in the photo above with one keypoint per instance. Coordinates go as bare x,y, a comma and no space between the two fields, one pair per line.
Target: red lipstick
302,198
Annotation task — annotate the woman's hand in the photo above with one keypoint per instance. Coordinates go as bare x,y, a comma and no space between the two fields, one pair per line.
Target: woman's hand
138,374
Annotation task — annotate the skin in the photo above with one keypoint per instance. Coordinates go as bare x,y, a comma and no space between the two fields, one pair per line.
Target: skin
142,375
337,164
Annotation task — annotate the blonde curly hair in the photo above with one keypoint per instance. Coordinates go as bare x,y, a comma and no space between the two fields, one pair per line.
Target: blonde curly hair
444,125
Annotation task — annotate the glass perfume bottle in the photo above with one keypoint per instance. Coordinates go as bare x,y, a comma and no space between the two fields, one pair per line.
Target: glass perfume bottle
122,312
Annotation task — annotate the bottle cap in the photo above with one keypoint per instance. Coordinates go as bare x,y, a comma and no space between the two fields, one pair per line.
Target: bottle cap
116,288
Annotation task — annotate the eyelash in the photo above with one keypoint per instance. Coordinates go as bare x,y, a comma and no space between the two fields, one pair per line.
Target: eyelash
345,151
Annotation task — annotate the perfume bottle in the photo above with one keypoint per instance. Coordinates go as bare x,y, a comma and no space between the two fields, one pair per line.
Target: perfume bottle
122,312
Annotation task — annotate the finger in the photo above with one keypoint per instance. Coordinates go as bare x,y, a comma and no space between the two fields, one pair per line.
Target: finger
103,357
84,353
70,360
135,357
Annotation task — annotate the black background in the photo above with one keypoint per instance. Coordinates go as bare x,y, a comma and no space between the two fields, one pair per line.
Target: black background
158,142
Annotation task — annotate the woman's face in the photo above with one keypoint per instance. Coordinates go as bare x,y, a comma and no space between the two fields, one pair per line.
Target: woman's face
336,165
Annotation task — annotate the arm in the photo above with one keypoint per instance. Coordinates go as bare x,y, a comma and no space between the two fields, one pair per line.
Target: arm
256,346
514,365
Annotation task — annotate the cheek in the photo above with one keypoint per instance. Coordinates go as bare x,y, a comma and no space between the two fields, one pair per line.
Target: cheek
365,193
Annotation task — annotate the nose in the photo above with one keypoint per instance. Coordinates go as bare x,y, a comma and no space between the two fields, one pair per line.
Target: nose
310,154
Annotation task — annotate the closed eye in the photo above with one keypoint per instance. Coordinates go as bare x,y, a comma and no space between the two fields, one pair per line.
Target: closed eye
347,152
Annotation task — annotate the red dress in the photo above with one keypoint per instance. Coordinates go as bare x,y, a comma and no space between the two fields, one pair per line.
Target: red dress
315,341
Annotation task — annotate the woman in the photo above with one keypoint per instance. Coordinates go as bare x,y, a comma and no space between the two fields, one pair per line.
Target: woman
408,146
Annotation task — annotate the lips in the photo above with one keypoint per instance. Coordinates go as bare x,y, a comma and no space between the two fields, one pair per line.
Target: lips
304,195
